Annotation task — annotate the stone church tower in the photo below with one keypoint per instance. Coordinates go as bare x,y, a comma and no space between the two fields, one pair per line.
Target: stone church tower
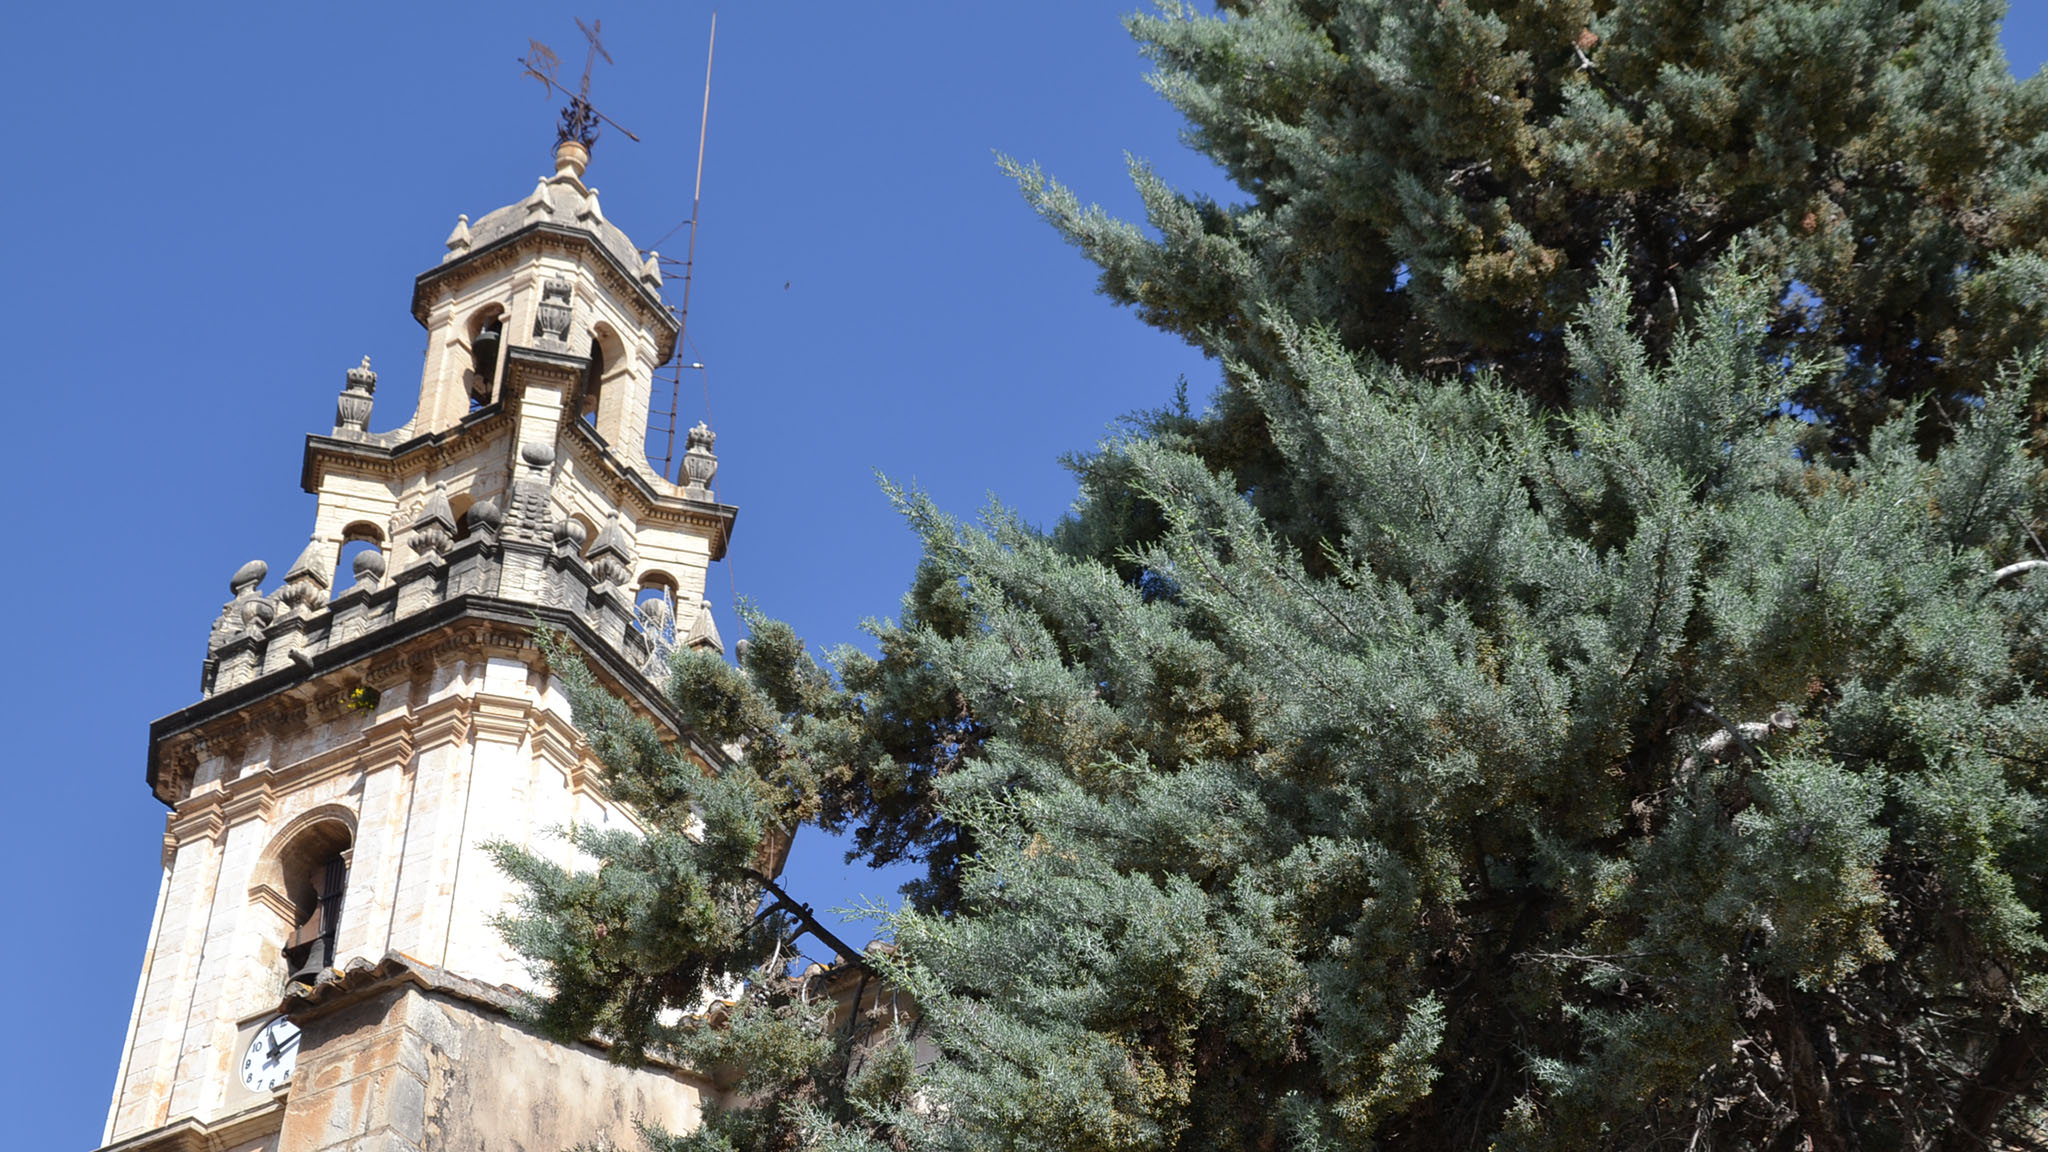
322,973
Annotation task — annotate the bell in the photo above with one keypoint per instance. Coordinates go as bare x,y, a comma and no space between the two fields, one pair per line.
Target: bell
485,351
309,969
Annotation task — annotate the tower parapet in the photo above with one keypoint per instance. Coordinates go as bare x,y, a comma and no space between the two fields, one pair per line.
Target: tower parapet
521,477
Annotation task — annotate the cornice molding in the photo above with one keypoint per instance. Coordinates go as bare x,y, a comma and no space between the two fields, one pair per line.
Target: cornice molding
440,724
542,237
500,719
423,453
271,899
362,980
387,744
203,821
555,743
253,799
410,647
625,487
193,1135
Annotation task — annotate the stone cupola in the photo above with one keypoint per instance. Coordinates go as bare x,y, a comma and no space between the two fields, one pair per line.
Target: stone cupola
552,275
521,479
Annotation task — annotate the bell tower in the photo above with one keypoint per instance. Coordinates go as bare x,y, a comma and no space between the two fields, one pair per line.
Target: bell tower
322,973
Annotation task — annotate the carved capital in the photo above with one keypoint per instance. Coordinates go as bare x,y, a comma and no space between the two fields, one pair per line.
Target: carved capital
249,799
501,719
445,722
202,821
387,744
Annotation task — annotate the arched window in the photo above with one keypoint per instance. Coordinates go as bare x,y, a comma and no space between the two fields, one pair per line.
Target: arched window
358,540
486,339
656,585
593,381
589,531
303,879
656,582
460,504
607,356
316,900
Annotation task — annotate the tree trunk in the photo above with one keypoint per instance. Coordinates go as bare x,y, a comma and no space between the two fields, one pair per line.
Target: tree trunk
2016,1063
1813,1095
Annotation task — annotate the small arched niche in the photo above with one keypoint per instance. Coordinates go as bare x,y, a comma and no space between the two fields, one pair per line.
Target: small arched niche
656,585
589,531
655,582
486,337
460,503
301,881
358,540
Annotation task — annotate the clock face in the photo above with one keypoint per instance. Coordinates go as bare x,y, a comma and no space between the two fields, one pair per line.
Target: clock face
268,1063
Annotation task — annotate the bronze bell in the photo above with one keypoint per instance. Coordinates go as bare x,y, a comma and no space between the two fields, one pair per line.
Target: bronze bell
485,351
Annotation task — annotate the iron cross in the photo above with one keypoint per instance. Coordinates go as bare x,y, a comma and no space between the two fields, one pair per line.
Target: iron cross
580,118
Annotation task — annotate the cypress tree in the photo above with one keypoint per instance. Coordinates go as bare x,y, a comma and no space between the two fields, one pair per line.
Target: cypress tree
1580,684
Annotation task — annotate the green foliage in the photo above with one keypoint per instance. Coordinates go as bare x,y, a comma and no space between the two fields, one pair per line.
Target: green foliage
1438,184
1606,777
1469,826
664,916
672,940
1557,697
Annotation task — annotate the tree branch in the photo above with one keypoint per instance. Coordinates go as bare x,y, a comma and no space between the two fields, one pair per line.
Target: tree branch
2014,569
2014,1067
810,922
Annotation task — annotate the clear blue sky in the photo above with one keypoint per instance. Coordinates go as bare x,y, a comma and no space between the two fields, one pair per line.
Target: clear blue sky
216,211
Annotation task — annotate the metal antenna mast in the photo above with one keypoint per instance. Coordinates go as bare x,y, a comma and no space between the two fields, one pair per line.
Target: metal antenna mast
690,263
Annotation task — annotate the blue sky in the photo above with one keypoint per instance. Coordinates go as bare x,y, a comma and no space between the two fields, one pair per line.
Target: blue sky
216,211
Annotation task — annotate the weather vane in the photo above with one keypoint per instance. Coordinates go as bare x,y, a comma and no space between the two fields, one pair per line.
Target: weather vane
579,119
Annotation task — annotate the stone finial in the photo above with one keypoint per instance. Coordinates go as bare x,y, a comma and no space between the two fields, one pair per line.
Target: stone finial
258,612
433,530
571,535
700,463
484,518
590,211
538,202
248,577
611,557
651,271
571,158
656,617
244,586
305,586
458,240
556,309
704,631
657,635
369,568
352,411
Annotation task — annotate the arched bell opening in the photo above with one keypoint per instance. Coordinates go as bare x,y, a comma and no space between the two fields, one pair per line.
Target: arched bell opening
486,347
302,881
607,354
